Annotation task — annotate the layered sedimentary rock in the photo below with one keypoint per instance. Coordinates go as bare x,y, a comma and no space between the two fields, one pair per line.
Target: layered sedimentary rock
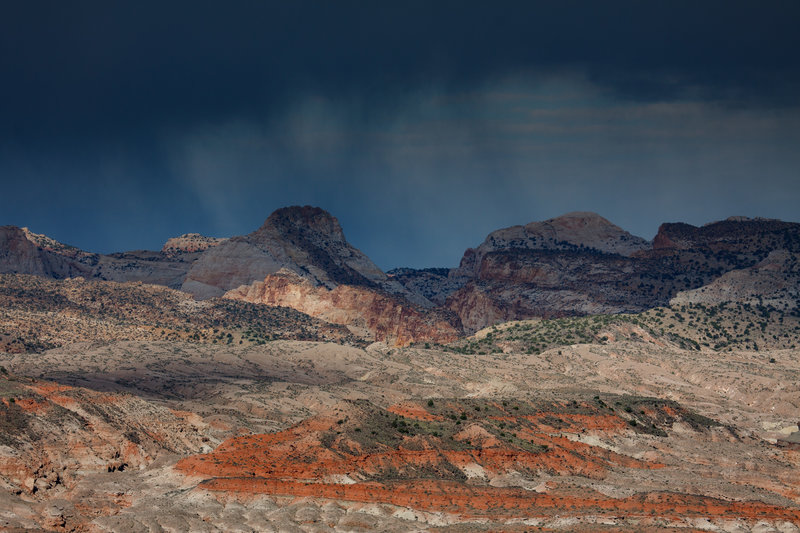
373,313
52,433
775,282
21,253
583,264
576,264
577,231
25,252
467,459
579,263
305,240
190,243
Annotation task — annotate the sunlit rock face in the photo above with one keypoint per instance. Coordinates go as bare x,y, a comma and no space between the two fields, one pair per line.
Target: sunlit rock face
306,240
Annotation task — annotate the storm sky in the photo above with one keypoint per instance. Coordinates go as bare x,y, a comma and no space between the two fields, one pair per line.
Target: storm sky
422,126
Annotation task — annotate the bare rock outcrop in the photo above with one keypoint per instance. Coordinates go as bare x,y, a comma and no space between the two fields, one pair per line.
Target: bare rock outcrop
22,252
582,264
366,310
429,461
25,252
51,434
570,232
774,281
578,263
517,284
305,240
190,243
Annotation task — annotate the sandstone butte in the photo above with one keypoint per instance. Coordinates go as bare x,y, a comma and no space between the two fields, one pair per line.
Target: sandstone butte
580,263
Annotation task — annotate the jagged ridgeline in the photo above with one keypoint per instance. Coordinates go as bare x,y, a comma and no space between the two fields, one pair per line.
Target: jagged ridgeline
578,264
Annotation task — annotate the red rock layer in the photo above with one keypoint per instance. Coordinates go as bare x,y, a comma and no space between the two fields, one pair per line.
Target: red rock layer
386,317
52,434
493,502
332,458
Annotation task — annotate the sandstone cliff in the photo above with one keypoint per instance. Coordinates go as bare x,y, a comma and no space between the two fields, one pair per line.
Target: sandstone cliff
305,240
570,232
369,312
582,264
25,252
21,253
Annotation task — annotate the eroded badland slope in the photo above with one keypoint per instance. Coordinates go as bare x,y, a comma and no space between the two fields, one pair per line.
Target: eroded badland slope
647,386
630,434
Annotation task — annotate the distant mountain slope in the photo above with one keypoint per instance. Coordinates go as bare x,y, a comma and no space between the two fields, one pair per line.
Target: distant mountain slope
305,240
373,314
583,264
299,258
576,264
775,281
25,252
189,243
578,231
20,253
38,313
751,238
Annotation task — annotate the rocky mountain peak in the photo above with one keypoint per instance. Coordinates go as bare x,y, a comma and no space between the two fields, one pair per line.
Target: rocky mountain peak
576,231
578,219
307,221
306,240
735,234
588,230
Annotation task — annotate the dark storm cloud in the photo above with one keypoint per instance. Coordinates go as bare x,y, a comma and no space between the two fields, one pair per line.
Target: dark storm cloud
99,68
420,187
421,125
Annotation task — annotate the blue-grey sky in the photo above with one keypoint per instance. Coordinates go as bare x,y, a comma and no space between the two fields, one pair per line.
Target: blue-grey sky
421,125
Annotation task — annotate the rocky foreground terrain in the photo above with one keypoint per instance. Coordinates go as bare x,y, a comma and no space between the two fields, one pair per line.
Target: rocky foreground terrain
567,376
626,429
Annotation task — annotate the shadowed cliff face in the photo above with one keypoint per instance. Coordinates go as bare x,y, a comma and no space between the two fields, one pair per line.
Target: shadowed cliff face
735,234
582,264
24,252
19,254
305,240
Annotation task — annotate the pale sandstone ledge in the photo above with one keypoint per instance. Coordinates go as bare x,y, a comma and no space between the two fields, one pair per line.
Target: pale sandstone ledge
189,243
